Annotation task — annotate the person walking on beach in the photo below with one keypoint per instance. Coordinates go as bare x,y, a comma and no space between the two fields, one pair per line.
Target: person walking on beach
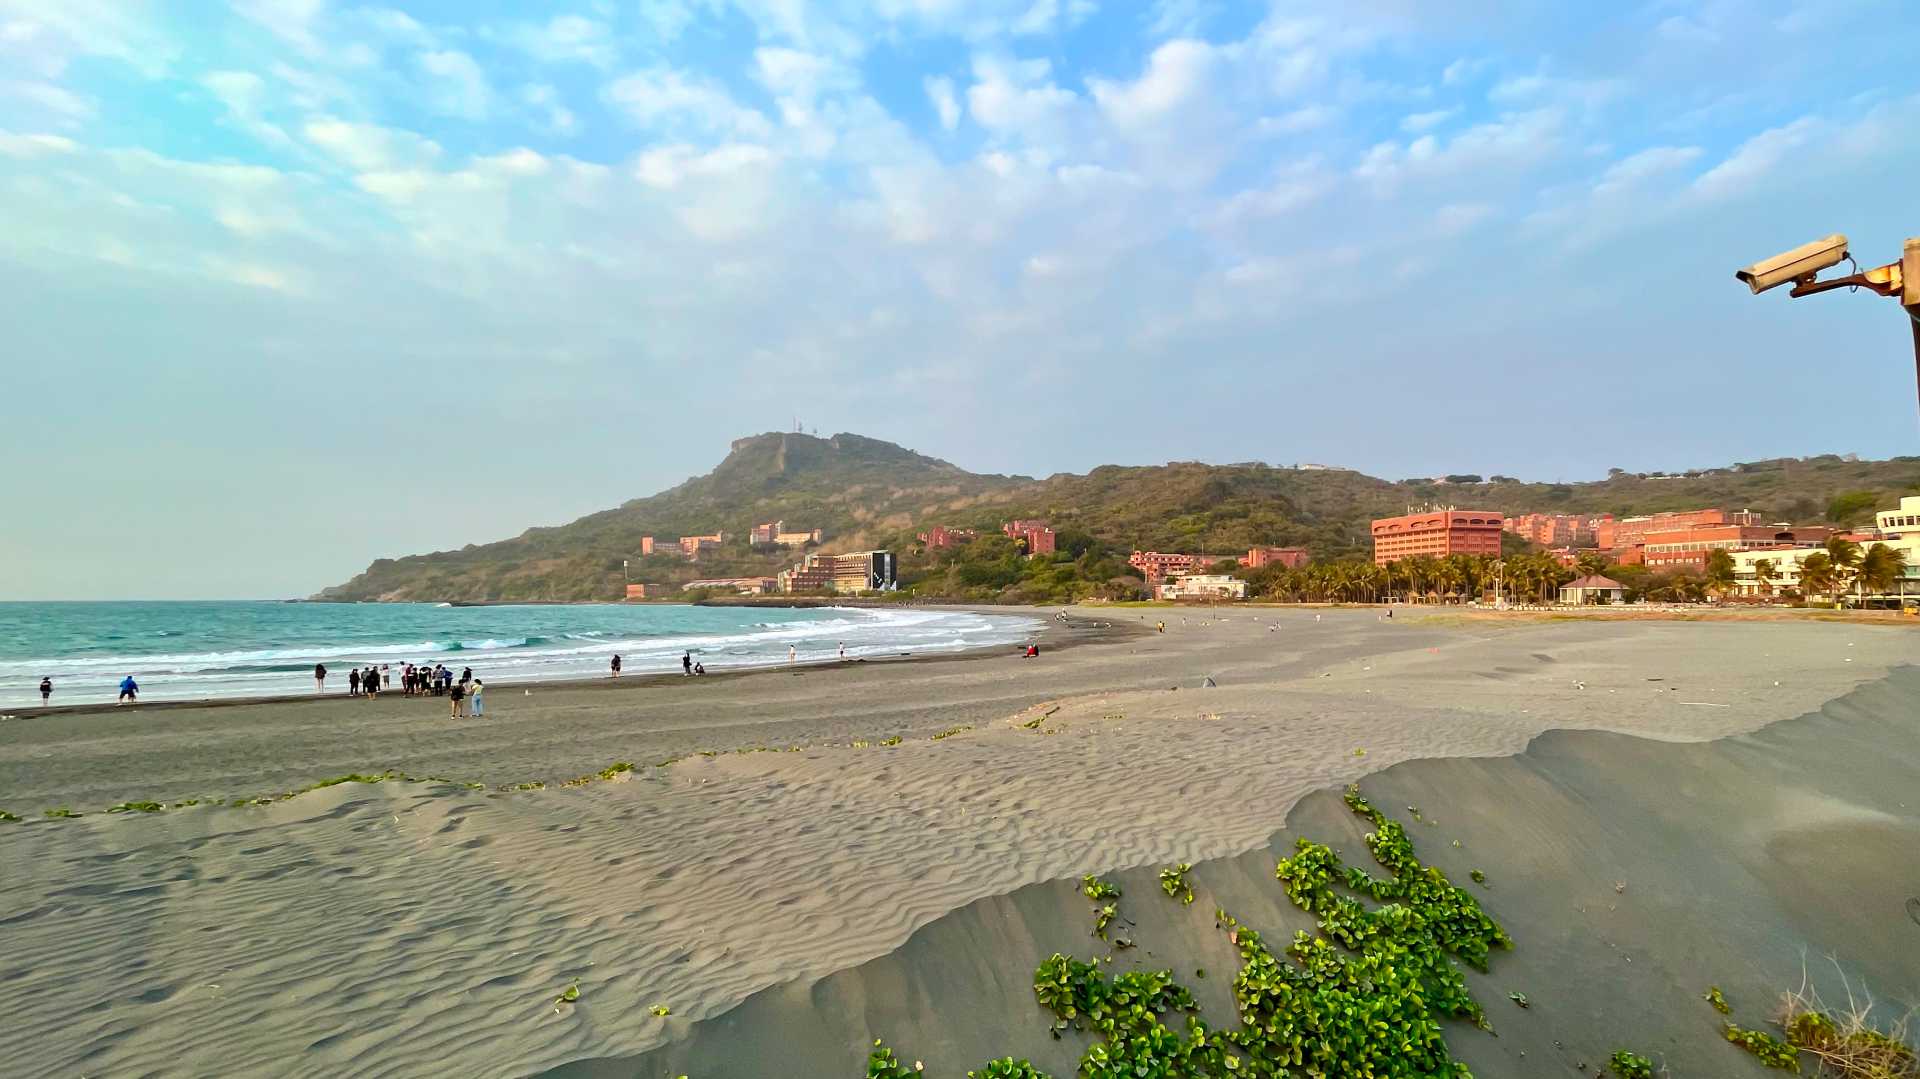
370,681
456,700
46,691
686,664
129,691
319,678
616,667
843,651
475,705
791,654
353,682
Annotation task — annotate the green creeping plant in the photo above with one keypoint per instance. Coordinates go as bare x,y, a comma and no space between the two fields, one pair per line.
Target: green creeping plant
1771,1051
1097,889
1364,996
1714,997
1174,882
1628,1065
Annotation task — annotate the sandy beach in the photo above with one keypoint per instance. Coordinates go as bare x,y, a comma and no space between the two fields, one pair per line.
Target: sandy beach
787,906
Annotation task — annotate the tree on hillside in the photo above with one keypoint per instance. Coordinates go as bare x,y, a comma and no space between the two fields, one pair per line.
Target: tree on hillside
1850,506
1719,571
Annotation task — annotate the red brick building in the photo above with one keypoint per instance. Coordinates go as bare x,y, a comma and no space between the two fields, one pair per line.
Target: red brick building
1036,536
1558,529
1686,548
691,546
638,591
1629,531
1290,557
1436,533
1153,565
939,537
646,546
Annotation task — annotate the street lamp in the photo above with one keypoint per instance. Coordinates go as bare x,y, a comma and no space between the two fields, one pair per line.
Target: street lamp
1899,280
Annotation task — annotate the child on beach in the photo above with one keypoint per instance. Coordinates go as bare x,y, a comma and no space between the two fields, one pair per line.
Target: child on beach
129,691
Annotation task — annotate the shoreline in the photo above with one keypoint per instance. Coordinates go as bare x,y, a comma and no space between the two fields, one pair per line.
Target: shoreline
602,681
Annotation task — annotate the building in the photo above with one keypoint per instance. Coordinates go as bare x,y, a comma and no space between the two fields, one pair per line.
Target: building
858,571
1202,586
1614,535
1593,589
646,546
776,534
1687,548
938,537
1899,522
1290,557
1153,565
1558,529
1437,533
640,591
1034,537
691,546
745,586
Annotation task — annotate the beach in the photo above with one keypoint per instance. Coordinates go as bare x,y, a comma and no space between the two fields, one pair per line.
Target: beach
785,883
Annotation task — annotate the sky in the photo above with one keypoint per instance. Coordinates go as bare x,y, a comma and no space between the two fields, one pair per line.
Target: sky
289,285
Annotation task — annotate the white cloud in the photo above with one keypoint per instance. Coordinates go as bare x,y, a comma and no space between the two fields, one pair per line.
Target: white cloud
670,166
561,39
244,94
31,145
940,92
1175,77
291,20
45,101
556,117
1456,218
369,147
1297,121
456,86
1653,161
1749,165
1016,97
1426,121
664,99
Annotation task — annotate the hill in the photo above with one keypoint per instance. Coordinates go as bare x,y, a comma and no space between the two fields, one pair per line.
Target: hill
864,492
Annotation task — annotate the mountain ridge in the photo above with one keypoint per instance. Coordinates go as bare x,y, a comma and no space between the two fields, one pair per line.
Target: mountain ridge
869,492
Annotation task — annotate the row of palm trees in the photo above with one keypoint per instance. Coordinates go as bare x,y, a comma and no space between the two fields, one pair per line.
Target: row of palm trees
1422,577
1842,567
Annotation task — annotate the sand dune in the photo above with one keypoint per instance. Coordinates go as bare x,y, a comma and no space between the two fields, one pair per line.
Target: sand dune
425,929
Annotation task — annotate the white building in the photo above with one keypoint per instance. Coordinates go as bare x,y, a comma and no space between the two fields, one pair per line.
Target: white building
1204,586
1786,565
1897,522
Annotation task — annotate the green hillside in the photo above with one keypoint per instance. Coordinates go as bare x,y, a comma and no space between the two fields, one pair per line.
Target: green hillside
867,493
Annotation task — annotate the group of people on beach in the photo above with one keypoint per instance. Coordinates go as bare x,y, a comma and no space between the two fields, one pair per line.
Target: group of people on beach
462,693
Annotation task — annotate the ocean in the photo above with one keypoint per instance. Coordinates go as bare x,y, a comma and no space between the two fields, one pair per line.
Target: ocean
196,650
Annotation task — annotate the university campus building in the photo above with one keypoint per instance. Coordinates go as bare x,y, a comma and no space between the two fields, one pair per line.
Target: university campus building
1437,533
1034,537
857,571
1290,557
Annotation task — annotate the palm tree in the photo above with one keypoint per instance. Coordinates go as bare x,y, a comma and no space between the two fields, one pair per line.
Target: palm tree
1719,571
1816,574
1843,554
1880,567
1591,564
1764,575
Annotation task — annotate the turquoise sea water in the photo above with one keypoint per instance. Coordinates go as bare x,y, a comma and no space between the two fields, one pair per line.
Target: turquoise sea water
224,649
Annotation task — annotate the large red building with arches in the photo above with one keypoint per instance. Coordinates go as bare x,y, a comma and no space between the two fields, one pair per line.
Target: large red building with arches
1437,533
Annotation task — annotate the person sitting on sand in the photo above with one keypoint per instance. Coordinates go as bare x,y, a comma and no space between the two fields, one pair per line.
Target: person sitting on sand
353,682
474,705
699,669
46,691
616,667
129,691
456,700
319,678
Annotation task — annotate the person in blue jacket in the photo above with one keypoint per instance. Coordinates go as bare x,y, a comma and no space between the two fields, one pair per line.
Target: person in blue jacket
129,690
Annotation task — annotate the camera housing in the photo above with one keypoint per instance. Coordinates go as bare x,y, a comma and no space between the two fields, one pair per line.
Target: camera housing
1801,262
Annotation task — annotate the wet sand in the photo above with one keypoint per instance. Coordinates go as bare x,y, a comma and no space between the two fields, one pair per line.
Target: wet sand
425,928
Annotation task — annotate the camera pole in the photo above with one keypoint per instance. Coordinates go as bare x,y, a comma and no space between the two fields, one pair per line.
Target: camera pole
1899,280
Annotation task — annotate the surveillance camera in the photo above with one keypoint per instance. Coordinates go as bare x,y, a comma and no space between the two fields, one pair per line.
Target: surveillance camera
1803,261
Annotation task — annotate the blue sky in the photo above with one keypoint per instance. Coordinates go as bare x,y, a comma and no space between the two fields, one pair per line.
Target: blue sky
293,284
